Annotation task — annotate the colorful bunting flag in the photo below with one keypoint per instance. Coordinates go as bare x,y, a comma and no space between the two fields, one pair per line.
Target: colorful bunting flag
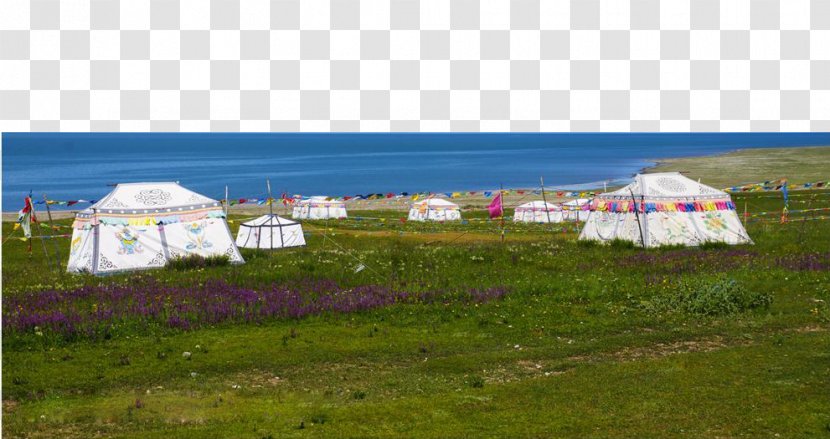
26,216
495,207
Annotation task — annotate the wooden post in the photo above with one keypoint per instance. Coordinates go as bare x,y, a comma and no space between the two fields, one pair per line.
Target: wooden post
270,212
745,214
544,199
804,220
501,206
40,235
52,228
227,202
31,215
284,202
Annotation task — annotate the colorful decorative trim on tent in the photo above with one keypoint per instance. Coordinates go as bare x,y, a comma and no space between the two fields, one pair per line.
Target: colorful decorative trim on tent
586,206
424,208
538,209
324,205
649,207
126,220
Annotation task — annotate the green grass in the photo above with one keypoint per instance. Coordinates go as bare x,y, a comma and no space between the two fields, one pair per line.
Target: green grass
799,165
574,350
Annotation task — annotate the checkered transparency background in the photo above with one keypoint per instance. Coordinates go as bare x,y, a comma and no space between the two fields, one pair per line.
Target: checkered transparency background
415,65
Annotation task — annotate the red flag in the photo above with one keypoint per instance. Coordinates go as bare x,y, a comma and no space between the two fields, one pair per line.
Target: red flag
496,209
25,217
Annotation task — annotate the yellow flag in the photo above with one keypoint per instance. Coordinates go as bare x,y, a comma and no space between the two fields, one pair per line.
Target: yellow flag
16,226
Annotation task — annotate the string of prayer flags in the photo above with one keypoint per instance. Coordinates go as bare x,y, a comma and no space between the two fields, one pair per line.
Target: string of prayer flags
769,185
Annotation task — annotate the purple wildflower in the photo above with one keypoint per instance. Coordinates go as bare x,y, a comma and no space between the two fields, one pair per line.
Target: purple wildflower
92,310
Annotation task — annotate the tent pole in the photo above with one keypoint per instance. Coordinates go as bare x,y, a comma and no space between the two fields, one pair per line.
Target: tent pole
544,199
645,219
95,238
637,215
51,227
271,213
227,202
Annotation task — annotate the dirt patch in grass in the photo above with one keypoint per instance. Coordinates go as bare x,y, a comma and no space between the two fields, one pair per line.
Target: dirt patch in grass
256,379
660,350
810,328
9,405
523,369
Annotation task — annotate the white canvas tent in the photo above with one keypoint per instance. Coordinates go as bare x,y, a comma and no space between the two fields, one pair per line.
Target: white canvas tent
269,232
319,207
576,210
538,212
143,225
434,209
665,209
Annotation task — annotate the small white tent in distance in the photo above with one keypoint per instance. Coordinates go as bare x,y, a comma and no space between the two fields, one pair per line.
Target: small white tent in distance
319,207
576,210
434,209
665,209
270,232
537,212
143,225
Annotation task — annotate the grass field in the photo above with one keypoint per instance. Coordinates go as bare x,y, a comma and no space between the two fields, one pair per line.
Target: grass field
799,165
449,331
579,345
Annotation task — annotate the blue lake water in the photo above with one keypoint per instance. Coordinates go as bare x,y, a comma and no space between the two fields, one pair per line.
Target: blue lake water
71,166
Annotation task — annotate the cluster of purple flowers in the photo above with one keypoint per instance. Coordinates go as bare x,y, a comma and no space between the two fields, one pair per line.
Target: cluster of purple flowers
805,262
693,261
90,309
689,260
